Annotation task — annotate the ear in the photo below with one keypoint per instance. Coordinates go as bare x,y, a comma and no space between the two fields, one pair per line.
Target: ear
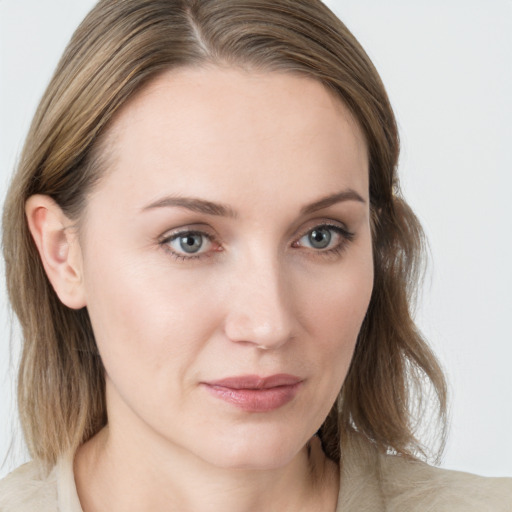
57,242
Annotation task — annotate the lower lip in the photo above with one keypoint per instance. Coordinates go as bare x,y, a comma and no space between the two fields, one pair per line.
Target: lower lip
256,400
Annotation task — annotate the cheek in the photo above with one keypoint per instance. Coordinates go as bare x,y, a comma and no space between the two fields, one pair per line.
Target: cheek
145,320
336,306
337,303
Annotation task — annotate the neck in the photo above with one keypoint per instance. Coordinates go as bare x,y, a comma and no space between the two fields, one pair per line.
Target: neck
115,474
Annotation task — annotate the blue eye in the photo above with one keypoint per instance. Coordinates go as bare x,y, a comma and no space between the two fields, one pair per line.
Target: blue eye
320,238
325,239
189,243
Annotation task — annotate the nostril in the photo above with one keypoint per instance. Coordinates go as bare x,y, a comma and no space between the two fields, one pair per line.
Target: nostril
263,347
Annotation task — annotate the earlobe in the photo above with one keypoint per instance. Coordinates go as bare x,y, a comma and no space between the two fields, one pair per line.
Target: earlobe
59,249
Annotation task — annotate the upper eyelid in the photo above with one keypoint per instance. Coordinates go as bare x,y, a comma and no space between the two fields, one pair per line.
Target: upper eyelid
172,234
178,234
329,223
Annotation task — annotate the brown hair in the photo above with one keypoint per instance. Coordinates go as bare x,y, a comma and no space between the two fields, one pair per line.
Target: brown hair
118,48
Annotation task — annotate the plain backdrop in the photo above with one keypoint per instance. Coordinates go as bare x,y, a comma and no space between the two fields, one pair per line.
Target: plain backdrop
447,66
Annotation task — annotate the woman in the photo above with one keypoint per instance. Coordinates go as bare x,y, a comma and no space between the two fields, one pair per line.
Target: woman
208,253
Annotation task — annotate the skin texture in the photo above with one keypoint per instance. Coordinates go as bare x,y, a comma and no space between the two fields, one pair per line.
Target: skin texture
258,298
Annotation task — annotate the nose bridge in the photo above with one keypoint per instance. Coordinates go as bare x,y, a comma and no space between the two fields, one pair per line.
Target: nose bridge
260,306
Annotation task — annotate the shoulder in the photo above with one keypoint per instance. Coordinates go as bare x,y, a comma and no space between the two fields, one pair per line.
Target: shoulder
375,482
29,488
411,486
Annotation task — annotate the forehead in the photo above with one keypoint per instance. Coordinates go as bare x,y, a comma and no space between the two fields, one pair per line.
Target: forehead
191,128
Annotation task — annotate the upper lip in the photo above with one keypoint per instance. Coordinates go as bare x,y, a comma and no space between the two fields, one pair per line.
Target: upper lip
256,381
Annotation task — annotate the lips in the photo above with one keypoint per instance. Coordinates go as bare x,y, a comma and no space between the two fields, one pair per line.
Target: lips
253,393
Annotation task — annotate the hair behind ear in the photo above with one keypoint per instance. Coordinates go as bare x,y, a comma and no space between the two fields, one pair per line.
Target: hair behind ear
61,399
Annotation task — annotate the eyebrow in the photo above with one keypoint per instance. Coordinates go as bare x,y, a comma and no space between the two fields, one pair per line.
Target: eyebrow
193,204
221,210
325,202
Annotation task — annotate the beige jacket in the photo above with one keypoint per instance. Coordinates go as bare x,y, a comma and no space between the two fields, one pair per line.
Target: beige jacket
369,483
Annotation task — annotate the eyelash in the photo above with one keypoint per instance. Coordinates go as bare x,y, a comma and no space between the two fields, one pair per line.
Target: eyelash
345,235
345,238
165,243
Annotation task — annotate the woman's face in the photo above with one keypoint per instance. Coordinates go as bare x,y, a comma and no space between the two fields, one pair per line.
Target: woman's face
227,263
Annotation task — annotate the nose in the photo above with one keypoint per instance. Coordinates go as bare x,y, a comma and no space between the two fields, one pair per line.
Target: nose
260,307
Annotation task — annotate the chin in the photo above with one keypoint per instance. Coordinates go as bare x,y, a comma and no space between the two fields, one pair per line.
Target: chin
252,460
253,450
